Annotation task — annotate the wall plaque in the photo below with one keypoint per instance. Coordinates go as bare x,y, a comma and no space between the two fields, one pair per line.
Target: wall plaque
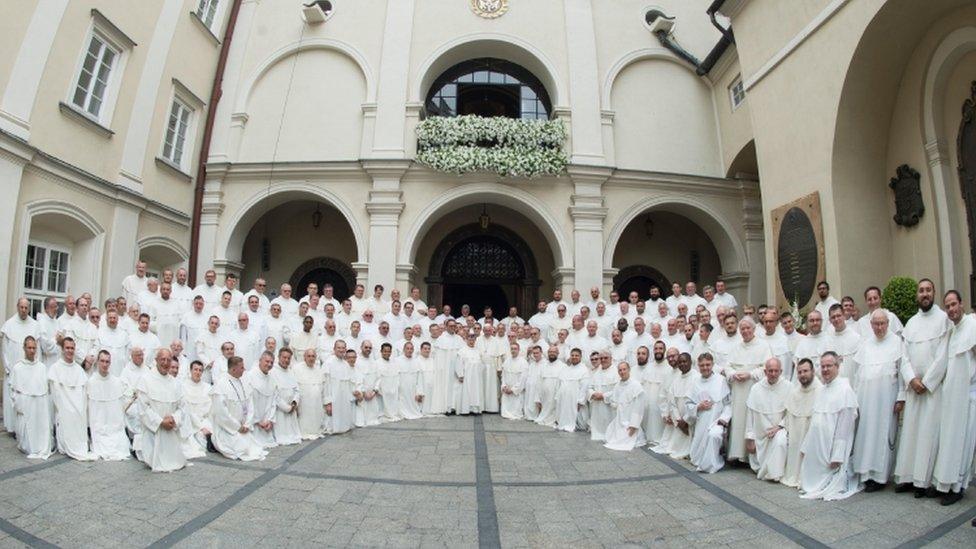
798,244
489,9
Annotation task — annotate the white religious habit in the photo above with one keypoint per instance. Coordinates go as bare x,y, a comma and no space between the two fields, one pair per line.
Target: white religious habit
845,343
926,337
796,422
493,354
233,411
627,400
106,417
371,407
546,396
286,427
166,315
672,407
70,403
312,397
708,432
32,404
343,382
511,385
198,407
957,441
830,440
264,397
388,387
779,346
444,351
766,410
571,396
411,386
14,331
602,380
877,385
652,377
161,395
746,358
810,347
470,373
116,342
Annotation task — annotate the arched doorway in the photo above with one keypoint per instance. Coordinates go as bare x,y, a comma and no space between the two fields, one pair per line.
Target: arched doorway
322,271
640,279
482,267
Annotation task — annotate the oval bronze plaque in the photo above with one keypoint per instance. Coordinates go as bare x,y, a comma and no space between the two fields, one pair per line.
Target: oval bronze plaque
797,257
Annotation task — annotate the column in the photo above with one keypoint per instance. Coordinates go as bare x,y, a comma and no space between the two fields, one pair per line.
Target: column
384,207
584,78
121,248
407,278
228,124
210,211
14,155
752,224
391,94
588,212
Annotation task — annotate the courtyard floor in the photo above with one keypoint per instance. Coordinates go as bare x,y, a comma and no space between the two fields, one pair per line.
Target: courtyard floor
446,482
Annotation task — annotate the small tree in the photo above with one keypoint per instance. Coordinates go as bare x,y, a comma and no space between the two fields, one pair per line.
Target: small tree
899,297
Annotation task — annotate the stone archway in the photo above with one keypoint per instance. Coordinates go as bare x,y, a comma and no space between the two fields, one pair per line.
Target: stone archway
640,278
322,271
483,267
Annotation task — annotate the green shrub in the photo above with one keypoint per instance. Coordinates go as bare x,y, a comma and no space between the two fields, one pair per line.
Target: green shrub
899,297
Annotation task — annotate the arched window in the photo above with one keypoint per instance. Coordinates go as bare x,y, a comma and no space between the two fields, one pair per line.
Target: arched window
488,87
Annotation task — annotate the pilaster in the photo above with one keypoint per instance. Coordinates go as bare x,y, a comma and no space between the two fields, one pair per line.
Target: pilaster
384,206
588,213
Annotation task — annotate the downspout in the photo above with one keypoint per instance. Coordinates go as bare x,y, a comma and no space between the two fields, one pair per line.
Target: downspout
711,11
701,67
215,94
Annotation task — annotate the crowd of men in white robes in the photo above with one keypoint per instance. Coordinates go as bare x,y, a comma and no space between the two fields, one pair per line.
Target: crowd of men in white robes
166,373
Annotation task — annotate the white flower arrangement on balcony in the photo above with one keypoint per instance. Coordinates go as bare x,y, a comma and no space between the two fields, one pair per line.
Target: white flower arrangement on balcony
506,146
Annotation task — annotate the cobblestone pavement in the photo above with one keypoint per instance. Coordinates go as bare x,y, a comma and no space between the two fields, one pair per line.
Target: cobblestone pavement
445,482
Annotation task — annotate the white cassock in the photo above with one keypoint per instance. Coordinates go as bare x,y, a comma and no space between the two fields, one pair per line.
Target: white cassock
877,387
706,441
411,386
493,355
48,345
388,387
208,352
863,325
779,346
70,403
445,350
810,347
192,325
845,344
546,395
233,408
198,407
748,357
829,440
248,345
766,409
512,371
166,315
602,380
926,336
427,377
286,427
279,330
159,396
672,405
371,408
264,397
116,342
531,384
289,307
14,331
470,392
106,417
343,382
132,286
147,341
626,399
652,377
311,403
571,395
183,295
85,336
799,410
954,463
32,405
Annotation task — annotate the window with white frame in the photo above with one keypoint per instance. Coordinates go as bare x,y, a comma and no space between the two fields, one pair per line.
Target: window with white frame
177,126
737,92
93,79
207,12
45,273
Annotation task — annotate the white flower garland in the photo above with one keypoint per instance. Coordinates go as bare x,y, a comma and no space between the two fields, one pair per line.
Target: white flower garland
506,146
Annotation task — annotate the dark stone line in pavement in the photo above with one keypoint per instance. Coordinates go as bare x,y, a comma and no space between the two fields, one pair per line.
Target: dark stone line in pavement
24,536
488,535
51,462
941,530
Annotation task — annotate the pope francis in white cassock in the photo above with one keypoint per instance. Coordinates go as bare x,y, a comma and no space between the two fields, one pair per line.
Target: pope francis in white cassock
32,403
233,412
164,423
68,386
106,412
627,399
708,409
825,467
766,440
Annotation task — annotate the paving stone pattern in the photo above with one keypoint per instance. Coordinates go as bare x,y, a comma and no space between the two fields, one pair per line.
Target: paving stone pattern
446,482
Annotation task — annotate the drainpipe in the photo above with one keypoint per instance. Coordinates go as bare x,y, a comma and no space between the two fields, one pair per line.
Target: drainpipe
667,40
215,93
711,11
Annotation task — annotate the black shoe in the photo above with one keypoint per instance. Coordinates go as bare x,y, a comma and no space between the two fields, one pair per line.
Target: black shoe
931,492
902,488
921,493
951,497
210,447
872,486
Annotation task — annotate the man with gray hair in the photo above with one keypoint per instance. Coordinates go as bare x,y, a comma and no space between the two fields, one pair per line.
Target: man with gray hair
743,369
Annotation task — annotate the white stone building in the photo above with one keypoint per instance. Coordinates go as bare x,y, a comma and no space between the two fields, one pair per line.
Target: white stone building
682,145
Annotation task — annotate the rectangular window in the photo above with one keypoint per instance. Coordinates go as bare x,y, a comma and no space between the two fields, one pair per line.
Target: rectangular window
34,267
57,271
176,132
737,93
207,11
93,78
45,273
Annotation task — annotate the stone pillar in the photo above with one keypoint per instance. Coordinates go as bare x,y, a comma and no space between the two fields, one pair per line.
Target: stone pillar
384,207
608,275
588,213
407,278
121,248
752,224
584,78
213,207
14,155
362,275
391,95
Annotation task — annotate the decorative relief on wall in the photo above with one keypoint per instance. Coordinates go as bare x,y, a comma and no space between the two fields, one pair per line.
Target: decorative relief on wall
489,9
798,239
909,207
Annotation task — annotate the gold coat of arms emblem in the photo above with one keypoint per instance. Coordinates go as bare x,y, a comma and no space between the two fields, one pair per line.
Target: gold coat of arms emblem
489,9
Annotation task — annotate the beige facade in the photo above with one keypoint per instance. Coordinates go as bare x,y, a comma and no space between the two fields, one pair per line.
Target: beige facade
667,173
